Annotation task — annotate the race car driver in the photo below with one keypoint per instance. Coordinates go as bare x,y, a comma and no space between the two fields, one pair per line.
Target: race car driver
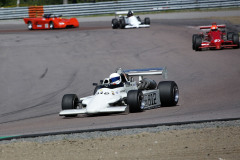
133,21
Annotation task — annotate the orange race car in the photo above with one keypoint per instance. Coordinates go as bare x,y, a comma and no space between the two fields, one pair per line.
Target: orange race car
50,21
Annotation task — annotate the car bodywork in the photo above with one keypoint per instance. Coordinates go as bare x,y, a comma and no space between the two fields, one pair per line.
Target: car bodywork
50,21
214,39
122,21
129,96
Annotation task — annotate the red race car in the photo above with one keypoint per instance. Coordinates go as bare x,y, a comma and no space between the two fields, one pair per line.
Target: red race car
214,37
50,21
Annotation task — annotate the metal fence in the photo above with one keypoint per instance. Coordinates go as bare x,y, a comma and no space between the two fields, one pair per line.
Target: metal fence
83,9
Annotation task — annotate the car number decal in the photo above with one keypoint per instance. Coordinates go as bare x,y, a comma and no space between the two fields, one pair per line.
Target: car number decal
151,99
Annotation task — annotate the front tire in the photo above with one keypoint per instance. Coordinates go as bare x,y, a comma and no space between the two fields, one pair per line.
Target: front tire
70,101
194,41
198,43
169,93
134,100
147,20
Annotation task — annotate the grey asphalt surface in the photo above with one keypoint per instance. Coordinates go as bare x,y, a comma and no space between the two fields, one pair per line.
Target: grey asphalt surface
38,67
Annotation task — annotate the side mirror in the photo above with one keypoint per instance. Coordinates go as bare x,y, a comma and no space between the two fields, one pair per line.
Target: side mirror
101,81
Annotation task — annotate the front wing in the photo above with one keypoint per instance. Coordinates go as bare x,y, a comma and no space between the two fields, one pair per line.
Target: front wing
226,44
140,26
84,110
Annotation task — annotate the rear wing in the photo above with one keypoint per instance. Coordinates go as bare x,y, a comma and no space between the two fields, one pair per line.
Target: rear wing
209,27
121,12
147,71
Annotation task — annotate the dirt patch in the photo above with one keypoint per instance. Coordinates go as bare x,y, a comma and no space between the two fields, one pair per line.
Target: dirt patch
222,143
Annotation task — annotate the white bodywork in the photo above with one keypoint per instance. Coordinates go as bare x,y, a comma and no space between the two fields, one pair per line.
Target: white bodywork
107,98
131,22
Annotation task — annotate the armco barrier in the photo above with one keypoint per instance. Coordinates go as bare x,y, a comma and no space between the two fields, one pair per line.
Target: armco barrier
82,9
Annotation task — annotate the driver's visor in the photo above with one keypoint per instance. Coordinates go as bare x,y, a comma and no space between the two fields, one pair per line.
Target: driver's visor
114,79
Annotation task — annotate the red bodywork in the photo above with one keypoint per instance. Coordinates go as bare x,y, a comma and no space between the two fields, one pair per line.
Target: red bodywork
216,39
45,21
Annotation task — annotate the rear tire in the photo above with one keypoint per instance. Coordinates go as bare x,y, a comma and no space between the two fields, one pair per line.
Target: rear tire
115,23
70,101
230,36
51,25
30,27
235,39
169,93
134,100
122,23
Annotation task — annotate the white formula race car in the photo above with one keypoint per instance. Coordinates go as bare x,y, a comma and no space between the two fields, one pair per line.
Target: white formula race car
127,96
129,21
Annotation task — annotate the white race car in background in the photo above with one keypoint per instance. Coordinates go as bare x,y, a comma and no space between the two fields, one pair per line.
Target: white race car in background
129,21
129,96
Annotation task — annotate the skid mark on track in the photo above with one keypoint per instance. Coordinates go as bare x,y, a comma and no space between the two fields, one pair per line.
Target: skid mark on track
44,74
44,99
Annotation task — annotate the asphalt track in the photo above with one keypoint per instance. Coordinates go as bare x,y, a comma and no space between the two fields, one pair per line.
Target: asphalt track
38,67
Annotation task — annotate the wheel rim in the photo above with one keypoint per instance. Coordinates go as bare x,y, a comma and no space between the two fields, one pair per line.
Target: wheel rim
75,103
29,25
140,98
176,94
51,25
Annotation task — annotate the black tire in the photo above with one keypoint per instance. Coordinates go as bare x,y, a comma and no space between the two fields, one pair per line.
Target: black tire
70,101
134,100
235,39
147,20
198,43
51,25
230,36
169,93
194,40
30,25
115,23
122,23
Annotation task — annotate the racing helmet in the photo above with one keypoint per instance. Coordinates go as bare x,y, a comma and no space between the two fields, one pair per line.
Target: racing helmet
115,78
214,27
130,13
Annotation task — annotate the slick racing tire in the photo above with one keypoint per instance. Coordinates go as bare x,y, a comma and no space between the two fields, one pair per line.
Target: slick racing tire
115,23
70,101
30,26
169,93
134,100
198,43
122,23
147,20
51,25
194,40
230,36
235,39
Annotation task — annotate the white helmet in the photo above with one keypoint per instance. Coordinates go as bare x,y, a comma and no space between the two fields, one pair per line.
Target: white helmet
115,78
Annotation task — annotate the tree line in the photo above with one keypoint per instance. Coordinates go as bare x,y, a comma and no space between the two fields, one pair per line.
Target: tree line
13,3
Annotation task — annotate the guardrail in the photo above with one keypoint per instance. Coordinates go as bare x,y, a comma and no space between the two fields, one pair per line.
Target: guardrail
83,9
